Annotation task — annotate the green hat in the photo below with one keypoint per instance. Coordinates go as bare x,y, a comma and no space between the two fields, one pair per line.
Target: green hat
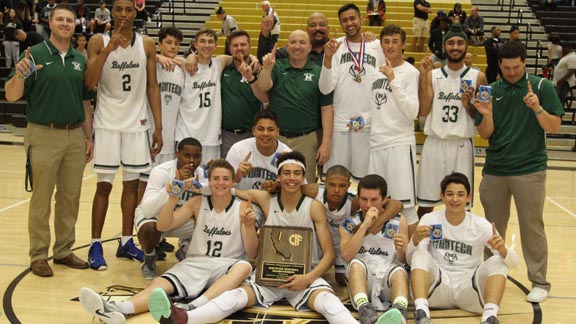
456,30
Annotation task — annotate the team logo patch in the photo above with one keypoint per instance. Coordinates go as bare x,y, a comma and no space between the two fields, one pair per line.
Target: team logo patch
451,257
167,99
380,98
76,66
308,76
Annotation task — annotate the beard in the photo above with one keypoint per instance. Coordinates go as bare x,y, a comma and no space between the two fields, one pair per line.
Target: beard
457,59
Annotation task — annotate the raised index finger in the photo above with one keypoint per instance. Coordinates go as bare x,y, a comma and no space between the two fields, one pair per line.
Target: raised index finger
120,29
247,157
494,230
530,87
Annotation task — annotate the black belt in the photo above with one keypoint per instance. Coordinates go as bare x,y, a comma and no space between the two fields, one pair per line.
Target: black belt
237,131
61,126
295,134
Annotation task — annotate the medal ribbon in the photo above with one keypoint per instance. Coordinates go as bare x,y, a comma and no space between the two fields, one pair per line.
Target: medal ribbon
358,62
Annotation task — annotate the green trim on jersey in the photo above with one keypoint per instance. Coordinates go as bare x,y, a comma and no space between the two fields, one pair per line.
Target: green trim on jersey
54,93
518,144
296,98
443,69
239,105
211,206
302,197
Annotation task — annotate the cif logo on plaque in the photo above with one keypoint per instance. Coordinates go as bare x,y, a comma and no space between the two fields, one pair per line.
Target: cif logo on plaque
284,252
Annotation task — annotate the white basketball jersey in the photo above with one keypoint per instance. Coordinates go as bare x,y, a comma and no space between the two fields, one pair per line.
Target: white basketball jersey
376,246
448,119
394,107
337,216
218,234
171,86
200,113
299,217
263,167
352,88
122,96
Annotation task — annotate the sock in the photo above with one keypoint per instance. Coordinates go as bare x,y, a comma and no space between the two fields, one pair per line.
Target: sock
125,239
126,307
360,299
402,301
220,307
151,254
96,240
332,309
490,310
422,303
200,301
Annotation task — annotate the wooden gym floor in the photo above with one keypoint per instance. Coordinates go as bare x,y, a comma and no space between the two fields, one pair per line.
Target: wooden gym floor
30,299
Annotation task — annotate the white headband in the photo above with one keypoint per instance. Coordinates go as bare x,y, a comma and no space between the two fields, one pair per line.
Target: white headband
291,161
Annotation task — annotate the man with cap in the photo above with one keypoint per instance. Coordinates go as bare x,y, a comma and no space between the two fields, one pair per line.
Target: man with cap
446,99
228,26
436,21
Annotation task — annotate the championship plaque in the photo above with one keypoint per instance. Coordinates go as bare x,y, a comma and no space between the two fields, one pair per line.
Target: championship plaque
284,251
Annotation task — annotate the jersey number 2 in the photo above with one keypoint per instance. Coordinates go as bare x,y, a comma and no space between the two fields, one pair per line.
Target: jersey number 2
126,82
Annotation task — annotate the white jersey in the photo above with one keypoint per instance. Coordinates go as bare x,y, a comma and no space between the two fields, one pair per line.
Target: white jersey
350,96
156,196
394,107
218,234
566,63
263,167
298,217
461,248
200,113
337,216
448,118
171,86
375,248
122,95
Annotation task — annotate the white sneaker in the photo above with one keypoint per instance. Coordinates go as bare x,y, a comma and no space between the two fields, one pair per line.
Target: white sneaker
537,295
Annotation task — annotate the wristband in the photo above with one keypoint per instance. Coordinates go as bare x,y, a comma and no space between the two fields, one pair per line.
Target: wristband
539,111
254,80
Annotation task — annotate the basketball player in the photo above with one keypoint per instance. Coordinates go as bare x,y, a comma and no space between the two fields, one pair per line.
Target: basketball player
122,68
376,260
394,108
304,292
447,264
449,146
254,159
171,83
184,167
348,62
224,237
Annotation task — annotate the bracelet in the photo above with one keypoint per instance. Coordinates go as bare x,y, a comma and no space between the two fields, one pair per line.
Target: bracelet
254,80
539,111
20,76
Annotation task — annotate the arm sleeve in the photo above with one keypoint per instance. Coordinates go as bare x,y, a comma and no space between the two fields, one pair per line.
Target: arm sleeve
155,196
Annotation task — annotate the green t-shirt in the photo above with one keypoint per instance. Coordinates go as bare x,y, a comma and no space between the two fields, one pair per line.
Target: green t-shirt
518,144
239,105
54,93
296,98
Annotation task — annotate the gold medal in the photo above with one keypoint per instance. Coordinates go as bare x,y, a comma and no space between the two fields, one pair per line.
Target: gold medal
358,79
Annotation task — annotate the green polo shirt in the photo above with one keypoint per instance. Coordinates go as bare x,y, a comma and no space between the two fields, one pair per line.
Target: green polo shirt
54,93
296,98
518,144
239,105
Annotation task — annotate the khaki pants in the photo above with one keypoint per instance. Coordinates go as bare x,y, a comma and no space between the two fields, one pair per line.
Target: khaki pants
57,158
529,192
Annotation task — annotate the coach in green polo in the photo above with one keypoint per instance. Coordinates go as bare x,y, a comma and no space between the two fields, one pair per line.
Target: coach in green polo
58,139
296,99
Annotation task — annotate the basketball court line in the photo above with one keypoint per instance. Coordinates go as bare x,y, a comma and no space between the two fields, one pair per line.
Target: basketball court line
559,205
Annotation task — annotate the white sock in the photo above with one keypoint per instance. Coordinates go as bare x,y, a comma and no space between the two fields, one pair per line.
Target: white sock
219,308
402,301
124,239
422,303
200,301
126,307
490,310
96,240
332,309
360,299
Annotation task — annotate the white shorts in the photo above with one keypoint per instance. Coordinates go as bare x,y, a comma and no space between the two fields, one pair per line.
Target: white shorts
210,153
421,27
192,275
339,263
351,150
397,165
159,159
114,148
184,231
438,159
267,296
378,276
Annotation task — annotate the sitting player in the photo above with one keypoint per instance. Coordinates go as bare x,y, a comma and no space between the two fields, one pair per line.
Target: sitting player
446,254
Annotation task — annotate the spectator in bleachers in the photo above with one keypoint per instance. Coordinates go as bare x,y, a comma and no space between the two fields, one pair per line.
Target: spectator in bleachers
436,42
81,43
474,27
376,10
491,46
28,38
23,13
271,13
102,19
436,21
82,17
554,50
547,4
142,15
421,29
514,33
10,43
228,26
457,14
43,27
564,72
469,61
